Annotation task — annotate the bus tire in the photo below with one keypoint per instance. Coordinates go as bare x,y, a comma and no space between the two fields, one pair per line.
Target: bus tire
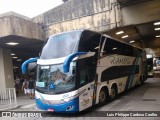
113,92
103,95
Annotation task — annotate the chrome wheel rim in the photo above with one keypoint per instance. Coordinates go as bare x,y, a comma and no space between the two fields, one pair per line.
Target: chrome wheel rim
102,96
113,93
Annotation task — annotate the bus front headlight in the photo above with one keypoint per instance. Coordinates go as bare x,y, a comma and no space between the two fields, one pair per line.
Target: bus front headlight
68,99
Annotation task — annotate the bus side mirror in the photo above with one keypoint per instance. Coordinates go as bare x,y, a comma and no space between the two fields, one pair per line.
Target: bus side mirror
31,68
24,65
68,60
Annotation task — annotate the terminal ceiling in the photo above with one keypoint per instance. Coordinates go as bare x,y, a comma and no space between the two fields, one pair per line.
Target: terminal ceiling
143,33
25,49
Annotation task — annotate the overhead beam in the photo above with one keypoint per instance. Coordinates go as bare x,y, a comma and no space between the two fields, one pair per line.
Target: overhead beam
13,25
155,43
141,13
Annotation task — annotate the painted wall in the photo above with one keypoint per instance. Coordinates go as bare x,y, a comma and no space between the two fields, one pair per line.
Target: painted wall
96,15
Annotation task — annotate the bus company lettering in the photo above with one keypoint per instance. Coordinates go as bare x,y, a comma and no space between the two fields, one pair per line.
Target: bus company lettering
119,60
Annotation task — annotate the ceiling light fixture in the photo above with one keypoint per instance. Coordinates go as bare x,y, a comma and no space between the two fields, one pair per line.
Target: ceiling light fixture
157,29
114,48
19,60
15,67
13,54
131,41
120,32
12,43
125,36
158,36
157,23
14,57
96,47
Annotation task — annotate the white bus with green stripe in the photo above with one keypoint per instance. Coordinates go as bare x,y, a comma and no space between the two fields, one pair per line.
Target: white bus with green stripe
78,69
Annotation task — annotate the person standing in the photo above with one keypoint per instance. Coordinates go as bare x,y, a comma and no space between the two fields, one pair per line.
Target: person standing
17,85
31,88
22,80
25,87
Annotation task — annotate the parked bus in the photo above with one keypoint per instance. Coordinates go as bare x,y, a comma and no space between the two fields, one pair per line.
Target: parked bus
150,67
81,68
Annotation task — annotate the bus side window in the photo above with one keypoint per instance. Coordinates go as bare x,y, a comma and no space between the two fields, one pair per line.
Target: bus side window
83,77
115,47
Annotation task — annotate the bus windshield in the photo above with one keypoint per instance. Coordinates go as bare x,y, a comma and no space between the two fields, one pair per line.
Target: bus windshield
61,45
52,80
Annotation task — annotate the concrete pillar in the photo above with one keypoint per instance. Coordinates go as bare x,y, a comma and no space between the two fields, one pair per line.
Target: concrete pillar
6,69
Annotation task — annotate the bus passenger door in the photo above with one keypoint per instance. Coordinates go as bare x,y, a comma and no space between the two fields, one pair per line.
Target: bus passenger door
85,99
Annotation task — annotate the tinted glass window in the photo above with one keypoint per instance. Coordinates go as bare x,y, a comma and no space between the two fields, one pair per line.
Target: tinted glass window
86,70
116,47
83,76
89,41
136,51
119,72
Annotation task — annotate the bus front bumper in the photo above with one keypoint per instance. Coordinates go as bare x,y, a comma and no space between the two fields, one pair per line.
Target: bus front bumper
70,106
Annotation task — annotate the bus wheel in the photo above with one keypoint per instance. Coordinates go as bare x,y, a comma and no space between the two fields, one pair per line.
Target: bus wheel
113,92
103,96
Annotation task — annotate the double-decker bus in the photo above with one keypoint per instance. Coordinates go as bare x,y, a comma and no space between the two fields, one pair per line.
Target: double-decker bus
78,69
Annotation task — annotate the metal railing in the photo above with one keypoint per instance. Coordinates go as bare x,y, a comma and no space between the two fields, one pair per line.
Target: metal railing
7,98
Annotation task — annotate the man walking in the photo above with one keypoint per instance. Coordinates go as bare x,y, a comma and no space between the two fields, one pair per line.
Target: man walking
25,87
31,88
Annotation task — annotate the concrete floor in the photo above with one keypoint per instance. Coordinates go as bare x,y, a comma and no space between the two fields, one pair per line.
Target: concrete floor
143,98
